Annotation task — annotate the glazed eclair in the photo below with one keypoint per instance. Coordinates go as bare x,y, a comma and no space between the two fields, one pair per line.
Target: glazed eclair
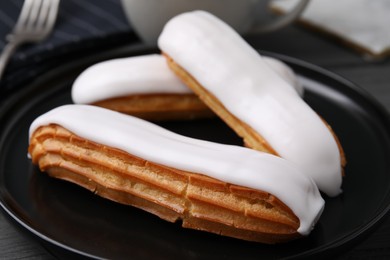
233,79
223,189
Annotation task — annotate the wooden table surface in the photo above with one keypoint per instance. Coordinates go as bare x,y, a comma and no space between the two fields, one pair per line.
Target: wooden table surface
372,75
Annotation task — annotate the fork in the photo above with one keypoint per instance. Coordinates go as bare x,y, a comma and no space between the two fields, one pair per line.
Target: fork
36,21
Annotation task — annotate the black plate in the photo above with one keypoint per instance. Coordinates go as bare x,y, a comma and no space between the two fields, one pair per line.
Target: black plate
68,217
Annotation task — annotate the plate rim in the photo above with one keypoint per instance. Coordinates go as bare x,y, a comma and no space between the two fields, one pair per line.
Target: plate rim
14,98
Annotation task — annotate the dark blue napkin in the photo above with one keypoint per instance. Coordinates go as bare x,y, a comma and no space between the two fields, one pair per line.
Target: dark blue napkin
82,27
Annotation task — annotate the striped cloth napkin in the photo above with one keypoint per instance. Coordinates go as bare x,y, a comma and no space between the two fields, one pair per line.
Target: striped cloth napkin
82,27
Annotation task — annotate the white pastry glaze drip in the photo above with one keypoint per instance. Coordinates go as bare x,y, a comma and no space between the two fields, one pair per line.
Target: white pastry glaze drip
147,74
223,63
231,164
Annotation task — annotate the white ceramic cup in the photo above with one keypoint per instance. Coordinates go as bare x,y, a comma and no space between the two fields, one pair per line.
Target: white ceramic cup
148,17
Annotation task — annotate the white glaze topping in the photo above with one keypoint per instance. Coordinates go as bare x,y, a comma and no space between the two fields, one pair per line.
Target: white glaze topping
147,74
231,164
285,72
223,63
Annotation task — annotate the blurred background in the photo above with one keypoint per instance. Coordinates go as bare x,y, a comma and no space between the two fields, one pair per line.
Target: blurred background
348,37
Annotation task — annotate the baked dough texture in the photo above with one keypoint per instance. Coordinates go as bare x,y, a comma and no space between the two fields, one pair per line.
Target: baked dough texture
233,80
198,201
159,107
251,138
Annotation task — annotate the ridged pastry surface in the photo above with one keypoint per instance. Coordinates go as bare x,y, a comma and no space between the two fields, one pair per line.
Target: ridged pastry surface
185,160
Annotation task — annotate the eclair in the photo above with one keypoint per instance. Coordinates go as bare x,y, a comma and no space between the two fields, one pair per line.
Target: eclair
145,87
141,86
223,189
233,79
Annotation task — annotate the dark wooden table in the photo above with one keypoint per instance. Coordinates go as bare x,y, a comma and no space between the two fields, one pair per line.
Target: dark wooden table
372,75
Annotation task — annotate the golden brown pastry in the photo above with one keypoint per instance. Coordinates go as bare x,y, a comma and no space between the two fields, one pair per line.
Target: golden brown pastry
233,80
223,189
157,107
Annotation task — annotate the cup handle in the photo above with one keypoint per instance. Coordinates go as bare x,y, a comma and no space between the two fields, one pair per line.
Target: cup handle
281,21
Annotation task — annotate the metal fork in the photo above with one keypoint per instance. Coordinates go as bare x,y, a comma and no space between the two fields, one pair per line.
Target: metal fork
34,24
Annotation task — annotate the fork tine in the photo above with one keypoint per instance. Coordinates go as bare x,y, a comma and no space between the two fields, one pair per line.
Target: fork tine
43,14
24,14
31,21
35,22
37,18
52,15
